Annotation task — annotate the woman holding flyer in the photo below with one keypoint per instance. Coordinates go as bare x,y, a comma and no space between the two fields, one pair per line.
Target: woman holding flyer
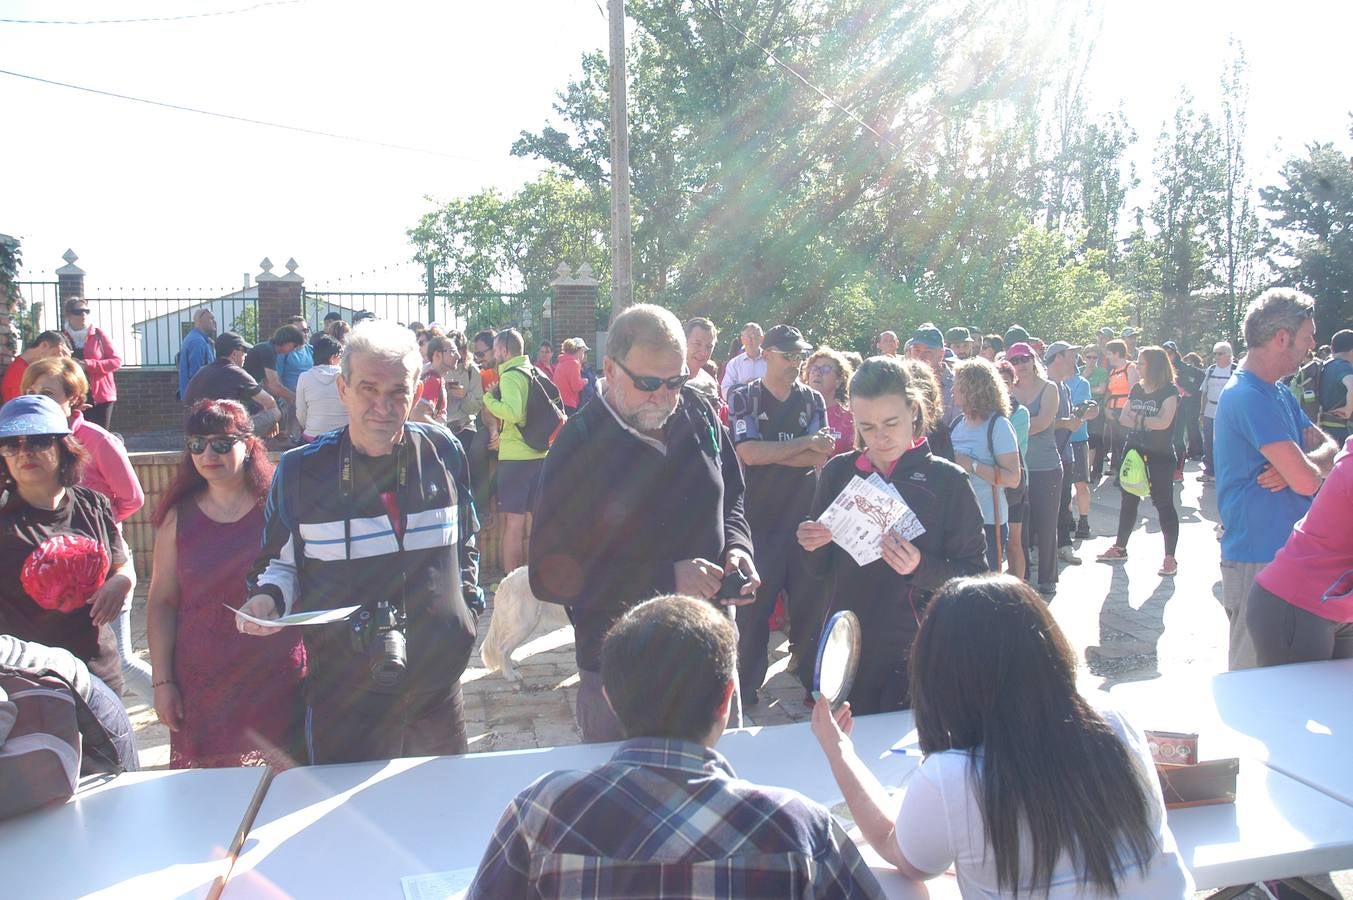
887,578
228,699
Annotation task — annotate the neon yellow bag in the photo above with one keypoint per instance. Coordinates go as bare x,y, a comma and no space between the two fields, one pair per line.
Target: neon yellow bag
1132,475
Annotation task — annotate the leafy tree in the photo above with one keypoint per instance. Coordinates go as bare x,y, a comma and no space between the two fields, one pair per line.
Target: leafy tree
1313,212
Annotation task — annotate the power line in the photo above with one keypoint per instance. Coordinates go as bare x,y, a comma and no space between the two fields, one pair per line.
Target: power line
219,115
795,72
202,15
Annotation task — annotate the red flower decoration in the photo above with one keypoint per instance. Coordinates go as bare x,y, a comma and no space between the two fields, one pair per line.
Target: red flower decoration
64,572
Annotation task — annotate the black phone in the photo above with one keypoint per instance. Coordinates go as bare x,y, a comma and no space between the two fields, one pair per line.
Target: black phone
732,585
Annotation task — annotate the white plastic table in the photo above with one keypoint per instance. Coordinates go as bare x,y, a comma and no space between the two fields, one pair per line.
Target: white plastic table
141,834
355,830
1298,719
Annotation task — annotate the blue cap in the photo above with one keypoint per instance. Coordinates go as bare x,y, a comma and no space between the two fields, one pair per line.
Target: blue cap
32,414
929,335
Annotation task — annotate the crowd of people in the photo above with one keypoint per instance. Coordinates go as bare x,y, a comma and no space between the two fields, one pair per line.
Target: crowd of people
663,474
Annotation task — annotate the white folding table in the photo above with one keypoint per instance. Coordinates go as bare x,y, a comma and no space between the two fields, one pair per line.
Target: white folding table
355,830
140,834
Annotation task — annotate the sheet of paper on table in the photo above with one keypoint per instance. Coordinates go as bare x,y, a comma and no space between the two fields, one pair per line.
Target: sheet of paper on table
451,885
316,617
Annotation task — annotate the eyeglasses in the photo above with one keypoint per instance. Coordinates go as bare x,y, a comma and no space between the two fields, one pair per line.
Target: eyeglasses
33,443
790,355
651,383
823,369
1016,360
198,445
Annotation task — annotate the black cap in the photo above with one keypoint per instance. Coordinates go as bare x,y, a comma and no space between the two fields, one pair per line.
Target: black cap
786,339
228,342
332,315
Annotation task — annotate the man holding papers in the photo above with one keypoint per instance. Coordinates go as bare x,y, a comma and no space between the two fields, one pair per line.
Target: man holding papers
910,523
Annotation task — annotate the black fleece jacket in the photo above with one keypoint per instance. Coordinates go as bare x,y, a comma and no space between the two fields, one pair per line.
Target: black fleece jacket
890,605
614,514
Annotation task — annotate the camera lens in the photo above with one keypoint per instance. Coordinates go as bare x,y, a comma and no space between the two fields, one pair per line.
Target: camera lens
389,661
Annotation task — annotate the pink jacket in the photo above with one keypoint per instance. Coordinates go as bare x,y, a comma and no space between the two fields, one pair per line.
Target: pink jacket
100,362
109,471
568,377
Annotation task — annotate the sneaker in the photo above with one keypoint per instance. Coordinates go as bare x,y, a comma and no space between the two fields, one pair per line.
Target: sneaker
1169,567
1083,529
1068,556
1113,554
1047,590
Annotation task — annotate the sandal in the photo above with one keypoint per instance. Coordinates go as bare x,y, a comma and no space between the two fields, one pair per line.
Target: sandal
1169,567
1113,554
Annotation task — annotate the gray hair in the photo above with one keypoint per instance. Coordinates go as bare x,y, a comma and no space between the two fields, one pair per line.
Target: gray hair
1275,310
648,326
1222,345
386,341
202,313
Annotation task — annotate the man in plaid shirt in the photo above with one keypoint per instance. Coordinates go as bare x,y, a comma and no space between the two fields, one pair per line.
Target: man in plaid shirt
666,817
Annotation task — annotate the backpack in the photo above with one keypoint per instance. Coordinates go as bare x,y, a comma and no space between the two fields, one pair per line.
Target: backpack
544,409
1306,385
48,737
1132,475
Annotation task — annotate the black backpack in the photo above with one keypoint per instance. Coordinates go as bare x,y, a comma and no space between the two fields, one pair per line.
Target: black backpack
544,409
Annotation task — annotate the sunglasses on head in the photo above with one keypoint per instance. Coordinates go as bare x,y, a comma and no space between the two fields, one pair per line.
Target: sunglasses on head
650,383
197,445
33,443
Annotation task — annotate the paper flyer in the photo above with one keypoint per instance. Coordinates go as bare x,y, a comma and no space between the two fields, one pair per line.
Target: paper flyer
859,517
909,527
317,617
451,885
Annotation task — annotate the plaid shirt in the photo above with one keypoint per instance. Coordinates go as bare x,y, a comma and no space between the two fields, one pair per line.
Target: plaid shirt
667,819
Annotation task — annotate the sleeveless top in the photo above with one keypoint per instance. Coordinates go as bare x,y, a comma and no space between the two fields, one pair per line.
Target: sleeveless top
241,693
1118,388
1042,455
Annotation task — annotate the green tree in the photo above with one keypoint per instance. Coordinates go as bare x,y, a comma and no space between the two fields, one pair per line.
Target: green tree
1241,238
1313,213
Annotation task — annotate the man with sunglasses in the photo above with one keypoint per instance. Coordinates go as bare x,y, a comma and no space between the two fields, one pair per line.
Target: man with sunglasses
641,495
780,432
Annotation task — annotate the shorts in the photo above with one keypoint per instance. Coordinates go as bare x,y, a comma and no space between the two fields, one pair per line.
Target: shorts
1017,499
1080,461
518,484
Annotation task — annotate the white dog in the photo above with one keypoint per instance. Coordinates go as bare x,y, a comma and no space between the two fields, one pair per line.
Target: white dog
516,613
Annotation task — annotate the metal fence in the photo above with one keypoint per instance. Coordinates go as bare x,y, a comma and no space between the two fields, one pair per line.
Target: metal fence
450,309
146,331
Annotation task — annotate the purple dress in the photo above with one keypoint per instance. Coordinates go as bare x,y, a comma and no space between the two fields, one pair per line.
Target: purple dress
241,693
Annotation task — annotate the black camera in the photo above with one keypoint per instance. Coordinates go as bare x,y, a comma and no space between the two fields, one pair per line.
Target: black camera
378,634
733,583
1080,409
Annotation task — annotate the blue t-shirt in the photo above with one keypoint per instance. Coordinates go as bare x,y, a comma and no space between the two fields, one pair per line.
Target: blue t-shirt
1251,414
1333,394
971,440
291,366
1080,392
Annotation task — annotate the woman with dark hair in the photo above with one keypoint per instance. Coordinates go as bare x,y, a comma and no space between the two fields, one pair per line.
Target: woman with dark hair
1148,421
228,699
318,409
60,549
889,594
1024,787
828,372
109,471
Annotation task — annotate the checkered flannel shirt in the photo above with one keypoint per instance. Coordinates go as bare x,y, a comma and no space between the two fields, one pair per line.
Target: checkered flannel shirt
668,819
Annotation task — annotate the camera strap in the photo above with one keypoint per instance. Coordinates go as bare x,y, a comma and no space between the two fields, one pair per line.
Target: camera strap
389,499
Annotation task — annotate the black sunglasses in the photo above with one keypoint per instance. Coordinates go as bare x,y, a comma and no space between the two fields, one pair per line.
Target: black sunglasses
77,312
33,443
198,445
650,383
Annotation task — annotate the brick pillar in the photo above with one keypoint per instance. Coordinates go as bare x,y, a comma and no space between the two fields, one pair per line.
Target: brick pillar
279,298
70,280
574,306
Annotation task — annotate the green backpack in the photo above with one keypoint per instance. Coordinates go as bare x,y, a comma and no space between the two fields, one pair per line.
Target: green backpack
1132,475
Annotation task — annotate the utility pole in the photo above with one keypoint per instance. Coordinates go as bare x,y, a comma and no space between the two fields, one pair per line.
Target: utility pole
622,244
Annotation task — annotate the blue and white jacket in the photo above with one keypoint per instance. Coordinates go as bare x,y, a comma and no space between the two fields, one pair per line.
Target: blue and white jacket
328,543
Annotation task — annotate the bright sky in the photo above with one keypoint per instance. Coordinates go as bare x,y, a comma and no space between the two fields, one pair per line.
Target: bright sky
154,198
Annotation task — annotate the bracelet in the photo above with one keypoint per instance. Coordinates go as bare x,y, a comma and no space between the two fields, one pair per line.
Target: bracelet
166,681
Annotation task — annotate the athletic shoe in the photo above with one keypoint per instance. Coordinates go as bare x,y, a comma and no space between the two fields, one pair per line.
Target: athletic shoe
1083,529
1068,556
1169,567
1113,554
1047,590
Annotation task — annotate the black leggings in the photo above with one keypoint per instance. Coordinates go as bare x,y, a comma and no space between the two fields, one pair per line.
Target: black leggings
1160,471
